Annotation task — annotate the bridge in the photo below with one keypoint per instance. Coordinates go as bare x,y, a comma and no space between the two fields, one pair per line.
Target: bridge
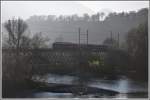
67,54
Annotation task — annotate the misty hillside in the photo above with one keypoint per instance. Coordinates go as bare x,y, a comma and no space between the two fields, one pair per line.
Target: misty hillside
65,28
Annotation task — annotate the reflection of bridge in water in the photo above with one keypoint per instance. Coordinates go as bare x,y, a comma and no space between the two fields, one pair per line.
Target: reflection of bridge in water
61,53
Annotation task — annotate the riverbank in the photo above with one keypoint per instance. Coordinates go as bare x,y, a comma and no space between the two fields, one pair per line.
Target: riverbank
53,85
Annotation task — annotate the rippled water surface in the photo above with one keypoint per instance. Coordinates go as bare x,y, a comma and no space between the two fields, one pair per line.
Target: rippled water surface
126,87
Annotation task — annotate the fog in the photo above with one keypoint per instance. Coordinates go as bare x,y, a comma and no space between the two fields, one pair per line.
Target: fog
45,11
25,9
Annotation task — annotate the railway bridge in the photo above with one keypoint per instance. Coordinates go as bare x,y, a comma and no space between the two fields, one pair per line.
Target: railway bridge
67,54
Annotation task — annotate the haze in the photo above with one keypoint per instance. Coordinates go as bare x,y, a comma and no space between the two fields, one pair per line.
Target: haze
25,9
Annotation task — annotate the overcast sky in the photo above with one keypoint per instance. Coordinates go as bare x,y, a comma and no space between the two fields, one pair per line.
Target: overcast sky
25,9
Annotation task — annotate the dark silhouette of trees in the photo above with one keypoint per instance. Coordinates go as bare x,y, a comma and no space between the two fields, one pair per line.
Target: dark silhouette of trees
86,17
116,59
17,40
99,16
16,29
17,67
137,41
116,62
38,41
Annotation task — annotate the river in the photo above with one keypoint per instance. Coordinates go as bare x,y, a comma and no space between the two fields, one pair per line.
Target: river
125,87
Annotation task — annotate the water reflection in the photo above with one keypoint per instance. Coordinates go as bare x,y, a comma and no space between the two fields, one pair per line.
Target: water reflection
123,85
54,95
126,87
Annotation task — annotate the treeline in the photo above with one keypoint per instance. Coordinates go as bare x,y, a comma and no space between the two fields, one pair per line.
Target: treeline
100,16
99,25
62,18
137,47
131,61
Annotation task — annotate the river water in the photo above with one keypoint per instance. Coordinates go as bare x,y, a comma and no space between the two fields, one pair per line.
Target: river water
125,86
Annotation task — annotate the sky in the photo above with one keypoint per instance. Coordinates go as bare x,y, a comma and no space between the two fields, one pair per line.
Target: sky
25,9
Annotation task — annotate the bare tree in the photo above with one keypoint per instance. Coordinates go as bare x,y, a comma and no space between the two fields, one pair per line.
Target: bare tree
15,67
16,29
39,41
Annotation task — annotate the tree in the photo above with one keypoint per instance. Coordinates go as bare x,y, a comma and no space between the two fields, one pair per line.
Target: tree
51,18
116,62
116,59
86,17
137,41
15,67
75,17
93,17
98,17
102,14
16,29
38,41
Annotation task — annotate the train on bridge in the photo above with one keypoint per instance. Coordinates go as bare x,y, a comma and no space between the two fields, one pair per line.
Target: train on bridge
61,53
75,46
